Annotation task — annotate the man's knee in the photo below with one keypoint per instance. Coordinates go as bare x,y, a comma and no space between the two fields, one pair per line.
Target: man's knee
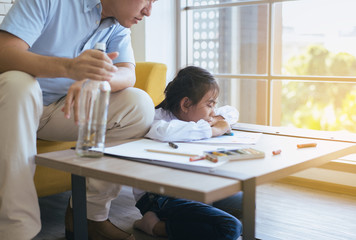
133,109
137,97
138,101
16,85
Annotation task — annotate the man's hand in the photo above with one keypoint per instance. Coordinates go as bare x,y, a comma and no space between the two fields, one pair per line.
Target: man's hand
220,127
92,64
72,100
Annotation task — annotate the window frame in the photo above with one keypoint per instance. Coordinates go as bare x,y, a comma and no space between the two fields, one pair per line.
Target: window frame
271,115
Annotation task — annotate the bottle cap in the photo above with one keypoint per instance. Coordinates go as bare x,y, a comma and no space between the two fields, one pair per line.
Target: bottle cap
100,46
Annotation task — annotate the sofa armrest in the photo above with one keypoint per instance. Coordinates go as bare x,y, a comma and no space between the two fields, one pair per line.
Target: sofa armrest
151,77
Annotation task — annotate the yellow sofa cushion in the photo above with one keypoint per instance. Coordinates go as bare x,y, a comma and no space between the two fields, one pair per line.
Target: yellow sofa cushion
150,77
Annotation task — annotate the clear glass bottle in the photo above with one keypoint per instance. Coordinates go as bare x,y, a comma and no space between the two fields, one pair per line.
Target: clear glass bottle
93,108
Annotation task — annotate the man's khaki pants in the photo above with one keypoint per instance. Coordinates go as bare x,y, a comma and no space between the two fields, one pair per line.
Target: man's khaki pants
23,118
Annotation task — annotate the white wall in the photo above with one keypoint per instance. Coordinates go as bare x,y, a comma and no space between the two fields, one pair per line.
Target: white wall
5,5
153,39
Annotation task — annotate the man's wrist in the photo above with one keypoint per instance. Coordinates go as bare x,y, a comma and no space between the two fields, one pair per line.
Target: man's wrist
66,64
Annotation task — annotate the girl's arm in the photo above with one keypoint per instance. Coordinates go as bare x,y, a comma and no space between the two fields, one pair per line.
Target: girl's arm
228,113
177,130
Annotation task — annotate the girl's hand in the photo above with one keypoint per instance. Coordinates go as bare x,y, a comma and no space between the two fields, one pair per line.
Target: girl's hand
220,127
213,120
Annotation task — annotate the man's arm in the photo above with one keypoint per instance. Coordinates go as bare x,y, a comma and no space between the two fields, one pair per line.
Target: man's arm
14,55
124,77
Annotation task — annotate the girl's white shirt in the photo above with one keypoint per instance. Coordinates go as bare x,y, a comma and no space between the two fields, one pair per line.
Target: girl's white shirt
166,127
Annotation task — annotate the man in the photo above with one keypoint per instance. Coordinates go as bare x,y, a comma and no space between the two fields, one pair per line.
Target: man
45,55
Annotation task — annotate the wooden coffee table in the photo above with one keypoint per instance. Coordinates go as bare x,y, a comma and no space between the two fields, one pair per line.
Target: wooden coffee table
206,185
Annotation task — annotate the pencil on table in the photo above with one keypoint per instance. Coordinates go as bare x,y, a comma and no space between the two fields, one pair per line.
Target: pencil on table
173,145
196,158
306,145
229,134
277,152
193,157
172,153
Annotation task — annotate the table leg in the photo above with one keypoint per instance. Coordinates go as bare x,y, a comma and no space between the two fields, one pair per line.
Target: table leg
80,226
249,208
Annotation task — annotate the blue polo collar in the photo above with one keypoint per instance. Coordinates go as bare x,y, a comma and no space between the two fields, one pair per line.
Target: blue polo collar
90,4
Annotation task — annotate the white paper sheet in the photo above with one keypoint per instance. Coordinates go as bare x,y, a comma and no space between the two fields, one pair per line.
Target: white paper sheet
138,149
237,138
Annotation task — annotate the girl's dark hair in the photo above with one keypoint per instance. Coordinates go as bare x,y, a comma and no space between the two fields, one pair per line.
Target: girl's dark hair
192,82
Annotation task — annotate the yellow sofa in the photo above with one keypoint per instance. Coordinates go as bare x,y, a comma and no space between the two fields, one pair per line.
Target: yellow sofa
150,77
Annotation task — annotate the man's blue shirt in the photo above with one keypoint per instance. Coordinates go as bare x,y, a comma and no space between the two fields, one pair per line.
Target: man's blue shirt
65,28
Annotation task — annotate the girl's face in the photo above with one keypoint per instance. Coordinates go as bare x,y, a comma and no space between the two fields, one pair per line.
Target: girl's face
202,110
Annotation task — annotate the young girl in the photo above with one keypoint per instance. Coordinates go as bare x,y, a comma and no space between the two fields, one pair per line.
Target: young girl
188,113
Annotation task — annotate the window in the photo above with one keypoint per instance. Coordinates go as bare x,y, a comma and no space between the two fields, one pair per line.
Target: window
281,63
